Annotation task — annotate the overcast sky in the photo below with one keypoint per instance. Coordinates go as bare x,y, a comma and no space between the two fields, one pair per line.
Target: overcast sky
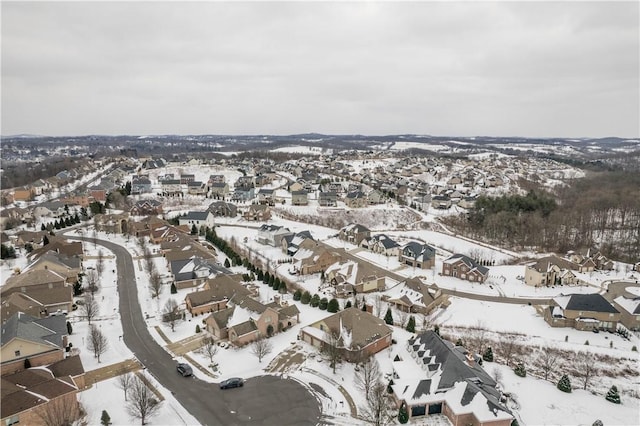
441,68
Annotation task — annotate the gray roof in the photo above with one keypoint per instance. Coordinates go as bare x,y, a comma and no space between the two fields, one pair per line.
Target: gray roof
590,302
196,215
472,264
47,331
419,251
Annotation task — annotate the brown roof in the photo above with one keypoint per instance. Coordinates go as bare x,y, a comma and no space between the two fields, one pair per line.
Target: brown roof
364,327
221,318
244,328
71,366
59,245
220,287
195,250
33,277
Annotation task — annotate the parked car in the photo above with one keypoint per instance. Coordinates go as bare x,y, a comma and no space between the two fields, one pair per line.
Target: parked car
234,382
184,369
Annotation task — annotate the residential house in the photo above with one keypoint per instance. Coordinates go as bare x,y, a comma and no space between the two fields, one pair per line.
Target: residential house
31,280
354,233
465,268
193,272
299,198
414,296
327,199
266,196
432,376
198,219
196,188
140,185
40,340
146,207
313,260
375,197
418,255
112,223
97,194
629,307
28,395
272,235
223,209
356,199
357,334
360,277
257,213
52,209
25,193
292,243
185,178
252,320
69,267
171,187
214,298
61,246
550,270
590,259
442,202
215,179
381,244
219,189
582,312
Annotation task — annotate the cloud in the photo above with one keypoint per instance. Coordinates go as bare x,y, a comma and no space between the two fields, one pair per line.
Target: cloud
459,68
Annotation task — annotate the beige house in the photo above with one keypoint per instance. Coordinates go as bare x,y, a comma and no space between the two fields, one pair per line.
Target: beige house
313,260
582,312
359,276
358,334
218,291
40,340
550,270
261,320
629,308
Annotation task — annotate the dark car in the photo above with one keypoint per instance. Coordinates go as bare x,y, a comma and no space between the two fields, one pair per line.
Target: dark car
184,369
234,382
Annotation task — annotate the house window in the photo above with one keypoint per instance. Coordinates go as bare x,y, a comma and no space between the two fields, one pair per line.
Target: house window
17,353
12,420
321,327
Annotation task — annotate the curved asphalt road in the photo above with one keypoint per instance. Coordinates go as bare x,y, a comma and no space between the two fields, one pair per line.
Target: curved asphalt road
265,400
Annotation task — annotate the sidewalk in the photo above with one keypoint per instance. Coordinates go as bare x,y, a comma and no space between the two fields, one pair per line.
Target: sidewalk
110,371
184,346
343,391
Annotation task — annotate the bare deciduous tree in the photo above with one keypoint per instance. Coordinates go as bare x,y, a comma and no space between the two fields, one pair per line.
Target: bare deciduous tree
89,308
378,304
332,351
155,284
547,359
496,373
171,313
209,348
476,337
97,342
378,409
585,368
368,375
261,348
92,281
142,403
62,411
148,260
507,348
125,381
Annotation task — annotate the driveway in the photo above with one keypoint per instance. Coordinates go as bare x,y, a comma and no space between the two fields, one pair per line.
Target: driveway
265,400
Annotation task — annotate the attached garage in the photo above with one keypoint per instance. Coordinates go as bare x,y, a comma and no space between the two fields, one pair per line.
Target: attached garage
418,410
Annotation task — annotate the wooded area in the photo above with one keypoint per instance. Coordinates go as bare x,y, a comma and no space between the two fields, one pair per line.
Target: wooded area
602,209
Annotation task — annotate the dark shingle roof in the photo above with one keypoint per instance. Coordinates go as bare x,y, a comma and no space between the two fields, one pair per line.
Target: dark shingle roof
590,302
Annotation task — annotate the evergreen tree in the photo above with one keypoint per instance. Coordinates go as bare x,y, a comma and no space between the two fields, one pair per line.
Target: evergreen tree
411,325
69,328
266,278
488,355
520,370
403,414
276,284
297,294
198,328
272,280
613,395
436,329
105,419
306,298
364,307
260,275
27,363
174,290
348,304
226,263
564,384
459,342
42,227
56,224
333,306
388,317
283,287
194,229
324,303
67,221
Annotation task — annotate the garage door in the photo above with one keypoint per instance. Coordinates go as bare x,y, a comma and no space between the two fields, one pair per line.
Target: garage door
435,408
418,410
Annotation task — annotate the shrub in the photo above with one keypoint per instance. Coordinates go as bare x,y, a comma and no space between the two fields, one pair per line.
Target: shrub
69,328
333,306
297,294
174,290
306,298
226,263
323,304
613,395
348,304
634,348
105,419
564,384
488,355
586,342
315,301
436,329
198,328
520,370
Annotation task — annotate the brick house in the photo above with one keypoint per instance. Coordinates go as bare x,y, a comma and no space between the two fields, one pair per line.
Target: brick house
582,312
354,233
465,268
